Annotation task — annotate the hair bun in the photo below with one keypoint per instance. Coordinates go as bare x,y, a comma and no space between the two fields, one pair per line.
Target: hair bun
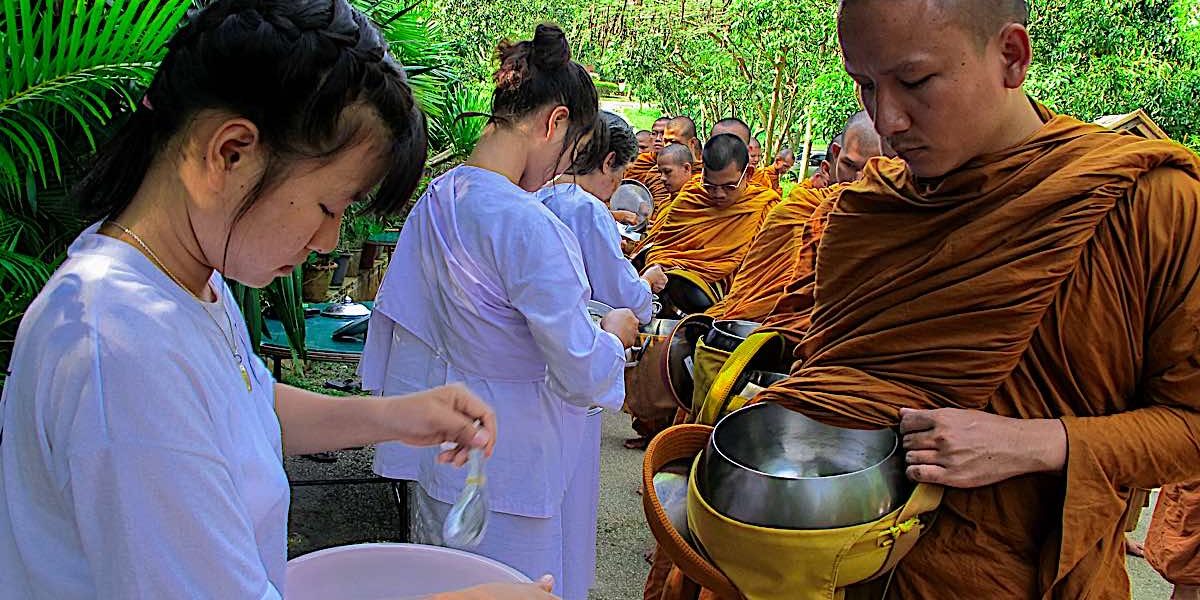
550,49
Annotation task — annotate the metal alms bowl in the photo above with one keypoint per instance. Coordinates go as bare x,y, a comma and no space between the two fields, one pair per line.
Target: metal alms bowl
728,335
769,466
756,381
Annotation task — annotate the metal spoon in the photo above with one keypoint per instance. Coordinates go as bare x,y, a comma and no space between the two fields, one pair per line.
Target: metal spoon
467,520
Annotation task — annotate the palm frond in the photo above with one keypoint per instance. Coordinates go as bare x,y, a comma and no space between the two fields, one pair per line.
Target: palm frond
71,60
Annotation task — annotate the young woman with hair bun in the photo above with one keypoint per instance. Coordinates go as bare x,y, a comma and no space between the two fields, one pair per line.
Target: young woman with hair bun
141,439
487,288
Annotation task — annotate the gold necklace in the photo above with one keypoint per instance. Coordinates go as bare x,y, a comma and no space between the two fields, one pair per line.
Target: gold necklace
159,263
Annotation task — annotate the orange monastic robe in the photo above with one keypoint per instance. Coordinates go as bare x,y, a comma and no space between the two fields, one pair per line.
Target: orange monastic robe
644,169
1057,280
770,264
768,176
1173,542
708,241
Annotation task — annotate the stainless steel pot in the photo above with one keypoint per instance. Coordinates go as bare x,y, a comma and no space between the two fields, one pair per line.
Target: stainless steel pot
728,335
597,310
769,466
347,308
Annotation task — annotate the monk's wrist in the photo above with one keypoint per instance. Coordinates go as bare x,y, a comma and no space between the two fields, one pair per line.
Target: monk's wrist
1046,443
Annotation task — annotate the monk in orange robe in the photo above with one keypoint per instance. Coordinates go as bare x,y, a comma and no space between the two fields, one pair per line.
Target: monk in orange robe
771,263
1173,542
755,147
645,141
684,127
675,168
644,168
1018,297
781,165
715,217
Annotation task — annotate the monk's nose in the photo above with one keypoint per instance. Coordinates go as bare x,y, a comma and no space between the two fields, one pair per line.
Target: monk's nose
890,116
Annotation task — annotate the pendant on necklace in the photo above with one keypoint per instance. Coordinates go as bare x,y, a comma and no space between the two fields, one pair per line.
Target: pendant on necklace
245,375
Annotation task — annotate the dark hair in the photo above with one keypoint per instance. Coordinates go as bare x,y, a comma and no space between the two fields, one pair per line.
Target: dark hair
724,149
612,134
292,67
540,72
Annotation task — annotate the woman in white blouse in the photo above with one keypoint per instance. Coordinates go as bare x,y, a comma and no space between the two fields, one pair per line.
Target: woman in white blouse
141,439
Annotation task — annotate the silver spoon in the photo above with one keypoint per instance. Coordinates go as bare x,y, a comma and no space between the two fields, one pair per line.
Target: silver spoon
467,520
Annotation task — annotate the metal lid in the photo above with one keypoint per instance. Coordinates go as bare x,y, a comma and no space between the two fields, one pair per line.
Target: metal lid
346,309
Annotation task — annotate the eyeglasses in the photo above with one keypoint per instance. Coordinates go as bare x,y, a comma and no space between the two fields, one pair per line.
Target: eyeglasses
728,187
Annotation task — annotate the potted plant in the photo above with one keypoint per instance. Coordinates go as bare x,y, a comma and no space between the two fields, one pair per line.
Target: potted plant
318,273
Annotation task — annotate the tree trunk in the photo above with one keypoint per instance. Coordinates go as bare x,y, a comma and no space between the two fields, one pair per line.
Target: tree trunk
808,122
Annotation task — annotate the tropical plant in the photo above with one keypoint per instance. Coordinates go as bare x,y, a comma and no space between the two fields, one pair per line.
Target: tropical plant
72,72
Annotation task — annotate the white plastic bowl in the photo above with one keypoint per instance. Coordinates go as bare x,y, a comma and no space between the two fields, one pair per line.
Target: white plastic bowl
390,572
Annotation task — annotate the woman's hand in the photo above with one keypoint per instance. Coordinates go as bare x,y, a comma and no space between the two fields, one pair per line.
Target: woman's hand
443,414
504,591
622,323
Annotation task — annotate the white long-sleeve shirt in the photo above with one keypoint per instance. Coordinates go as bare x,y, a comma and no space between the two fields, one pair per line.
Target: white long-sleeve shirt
613,279
486,287
133,461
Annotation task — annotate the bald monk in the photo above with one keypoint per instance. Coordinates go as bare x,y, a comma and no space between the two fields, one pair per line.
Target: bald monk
675,168
731,125
682,130
1019,296
644,168
645,141
755,148
714,218
821,177
738,128
792,312
771,263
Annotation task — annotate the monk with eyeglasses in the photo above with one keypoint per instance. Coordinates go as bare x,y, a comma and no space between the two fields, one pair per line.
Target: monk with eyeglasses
715,217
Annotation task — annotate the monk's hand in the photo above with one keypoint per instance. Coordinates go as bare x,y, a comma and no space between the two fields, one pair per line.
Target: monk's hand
656,278
623,324
970,448
446,414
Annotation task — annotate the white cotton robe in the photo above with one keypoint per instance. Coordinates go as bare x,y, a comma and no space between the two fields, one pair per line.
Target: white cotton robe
612,277
133,462
486,287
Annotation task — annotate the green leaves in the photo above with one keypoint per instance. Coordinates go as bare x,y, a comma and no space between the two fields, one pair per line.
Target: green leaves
66,65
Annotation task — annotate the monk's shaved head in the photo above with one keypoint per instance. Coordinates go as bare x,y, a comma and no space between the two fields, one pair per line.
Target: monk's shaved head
683,127
674,154
983,18
682,130
755,148
786,153
860,143
942,79
645,140
675,166
732,125
725,150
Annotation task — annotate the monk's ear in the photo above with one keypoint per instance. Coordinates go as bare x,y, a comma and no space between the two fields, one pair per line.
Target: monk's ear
1017,53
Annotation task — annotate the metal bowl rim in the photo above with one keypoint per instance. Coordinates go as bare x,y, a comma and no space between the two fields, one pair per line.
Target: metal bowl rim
724,456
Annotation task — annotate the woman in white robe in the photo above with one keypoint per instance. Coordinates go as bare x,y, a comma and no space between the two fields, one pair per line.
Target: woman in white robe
487,288
577,198
141,439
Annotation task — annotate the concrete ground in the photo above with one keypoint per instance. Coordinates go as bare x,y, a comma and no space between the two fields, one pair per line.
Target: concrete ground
335,515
